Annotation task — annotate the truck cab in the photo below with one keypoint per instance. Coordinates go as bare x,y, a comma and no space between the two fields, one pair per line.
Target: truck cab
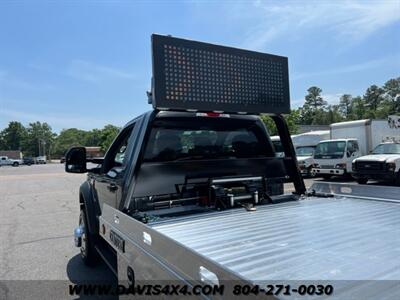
163,164
6,161
335,157
305,160
382,164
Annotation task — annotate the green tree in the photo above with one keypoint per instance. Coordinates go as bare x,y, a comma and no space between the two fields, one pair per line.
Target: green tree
12,136
373,97
313,109
39,139
93,137
345,105
357,108
392,94
68,138
314,99
320,117
292,120
107,136
3,145
333,114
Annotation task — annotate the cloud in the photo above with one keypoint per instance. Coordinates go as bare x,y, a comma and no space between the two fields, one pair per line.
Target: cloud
26,85
368,65
93,72
347,21
332,98
7,80
40,67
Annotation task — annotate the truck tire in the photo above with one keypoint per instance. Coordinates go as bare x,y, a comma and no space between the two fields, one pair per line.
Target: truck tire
397,179
89,254
15,164
362,180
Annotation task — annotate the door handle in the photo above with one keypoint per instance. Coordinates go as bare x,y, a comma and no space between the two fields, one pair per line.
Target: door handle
112,187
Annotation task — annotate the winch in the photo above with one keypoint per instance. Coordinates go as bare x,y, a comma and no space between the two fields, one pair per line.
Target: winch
231,192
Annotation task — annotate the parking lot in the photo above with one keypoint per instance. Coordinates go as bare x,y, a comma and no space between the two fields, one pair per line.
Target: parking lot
39,211
38,214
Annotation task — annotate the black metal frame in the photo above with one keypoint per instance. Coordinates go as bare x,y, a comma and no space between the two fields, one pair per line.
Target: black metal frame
290,154
191,75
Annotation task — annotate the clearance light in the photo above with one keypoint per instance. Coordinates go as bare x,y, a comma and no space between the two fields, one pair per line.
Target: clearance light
212,114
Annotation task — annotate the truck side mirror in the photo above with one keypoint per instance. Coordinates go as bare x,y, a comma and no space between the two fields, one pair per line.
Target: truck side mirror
75,160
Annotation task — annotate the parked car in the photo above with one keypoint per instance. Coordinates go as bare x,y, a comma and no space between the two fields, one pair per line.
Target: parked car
28,161
6,161
41,160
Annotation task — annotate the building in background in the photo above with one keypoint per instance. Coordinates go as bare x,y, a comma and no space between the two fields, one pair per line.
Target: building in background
13,154
93,152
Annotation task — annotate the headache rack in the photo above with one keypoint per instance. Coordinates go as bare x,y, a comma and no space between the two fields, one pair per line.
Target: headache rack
206,78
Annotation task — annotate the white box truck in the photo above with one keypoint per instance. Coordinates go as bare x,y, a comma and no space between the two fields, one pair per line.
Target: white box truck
348,141
305,144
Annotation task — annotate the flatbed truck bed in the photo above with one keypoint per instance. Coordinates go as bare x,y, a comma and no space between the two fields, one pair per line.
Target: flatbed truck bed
349,239
336,238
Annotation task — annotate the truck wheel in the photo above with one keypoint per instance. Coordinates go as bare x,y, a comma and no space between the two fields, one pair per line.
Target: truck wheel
88,252
326,176
397,180
15,164
362,180
311,172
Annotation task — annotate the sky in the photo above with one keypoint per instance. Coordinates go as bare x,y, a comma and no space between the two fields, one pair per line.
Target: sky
85,64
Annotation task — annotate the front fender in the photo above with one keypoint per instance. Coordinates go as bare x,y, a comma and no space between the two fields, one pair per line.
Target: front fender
89,203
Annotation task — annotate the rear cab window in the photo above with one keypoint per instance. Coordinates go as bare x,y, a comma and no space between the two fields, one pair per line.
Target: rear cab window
197,138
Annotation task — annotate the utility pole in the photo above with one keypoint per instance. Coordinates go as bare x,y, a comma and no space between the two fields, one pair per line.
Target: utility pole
44,148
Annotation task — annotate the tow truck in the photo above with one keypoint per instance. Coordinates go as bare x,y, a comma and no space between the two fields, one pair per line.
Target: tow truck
191,192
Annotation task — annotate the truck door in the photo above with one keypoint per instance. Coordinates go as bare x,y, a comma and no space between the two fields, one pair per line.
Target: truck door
109,183
352,153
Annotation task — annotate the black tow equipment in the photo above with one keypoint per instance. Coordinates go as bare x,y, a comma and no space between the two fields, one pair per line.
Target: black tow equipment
201,77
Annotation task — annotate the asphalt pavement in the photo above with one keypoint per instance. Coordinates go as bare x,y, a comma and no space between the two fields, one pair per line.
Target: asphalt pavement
39,210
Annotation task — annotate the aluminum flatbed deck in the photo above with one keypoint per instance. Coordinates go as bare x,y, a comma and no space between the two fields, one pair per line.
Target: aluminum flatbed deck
315,239
350,240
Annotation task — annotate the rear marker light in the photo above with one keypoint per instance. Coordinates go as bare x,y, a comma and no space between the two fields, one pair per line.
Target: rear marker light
212,114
